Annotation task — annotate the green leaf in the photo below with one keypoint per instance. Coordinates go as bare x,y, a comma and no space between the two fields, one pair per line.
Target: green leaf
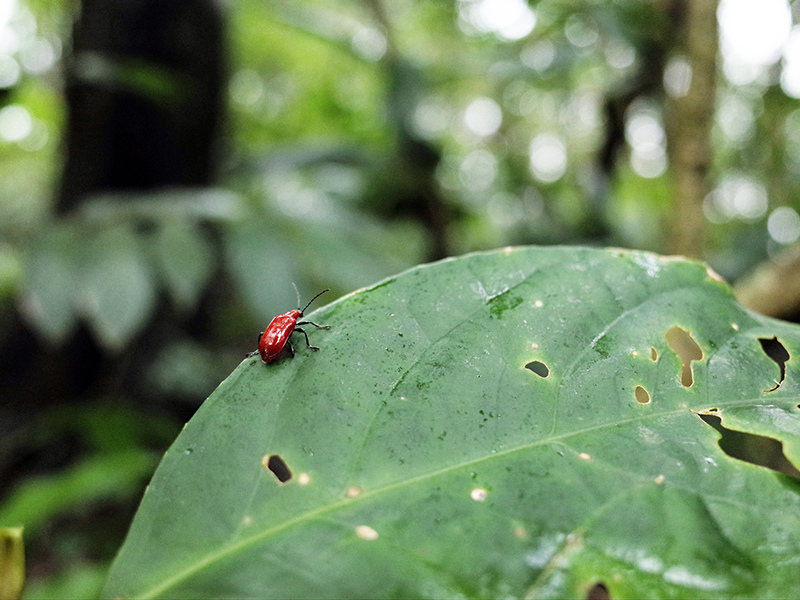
261,268
51,278
118,288
479,427
79,582
38,500
185,261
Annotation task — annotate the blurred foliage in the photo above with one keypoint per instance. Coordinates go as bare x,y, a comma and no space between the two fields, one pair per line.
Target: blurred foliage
362,137
12,562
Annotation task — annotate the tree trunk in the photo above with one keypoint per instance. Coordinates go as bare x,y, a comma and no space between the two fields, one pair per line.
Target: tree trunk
144,96
689,131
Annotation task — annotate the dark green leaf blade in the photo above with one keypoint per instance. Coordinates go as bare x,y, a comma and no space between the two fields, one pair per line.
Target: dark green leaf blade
426,460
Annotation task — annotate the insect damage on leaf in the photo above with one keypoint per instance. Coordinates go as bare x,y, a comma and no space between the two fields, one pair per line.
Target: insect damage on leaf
539,368
777,352
642,395
478,494
278,466
365,532
683,344
749,447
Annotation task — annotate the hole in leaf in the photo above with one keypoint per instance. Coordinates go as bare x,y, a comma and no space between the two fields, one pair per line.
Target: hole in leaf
598,591
777,352
278,467
653,354
750,447
683,344
539,368
642,395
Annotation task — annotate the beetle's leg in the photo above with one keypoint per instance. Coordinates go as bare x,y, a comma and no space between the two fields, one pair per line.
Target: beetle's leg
314,324
254,352
315,348
291,348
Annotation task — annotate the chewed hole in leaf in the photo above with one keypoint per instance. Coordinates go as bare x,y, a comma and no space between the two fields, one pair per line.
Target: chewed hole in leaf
598,591
653,354
538,367
278,467
683,344
642,395
756,449
777,352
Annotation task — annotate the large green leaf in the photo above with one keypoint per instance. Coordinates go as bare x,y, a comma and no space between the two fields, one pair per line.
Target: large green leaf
517,423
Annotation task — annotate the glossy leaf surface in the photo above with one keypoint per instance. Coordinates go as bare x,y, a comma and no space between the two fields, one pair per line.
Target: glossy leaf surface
517,423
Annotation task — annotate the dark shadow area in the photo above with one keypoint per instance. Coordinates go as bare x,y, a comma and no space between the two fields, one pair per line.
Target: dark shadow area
598,592
777,352
749,447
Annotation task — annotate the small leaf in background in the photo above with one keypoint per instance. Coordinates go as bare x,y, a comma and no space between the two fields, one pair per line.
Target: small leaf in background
118,290
82,581
185,369
518,423
11,271
40,499
262,268
12,563
51,281
185,260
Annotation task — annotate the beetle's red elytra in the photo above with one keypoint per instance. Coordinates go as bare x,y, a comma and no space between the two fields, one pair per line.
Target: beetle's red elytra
275,337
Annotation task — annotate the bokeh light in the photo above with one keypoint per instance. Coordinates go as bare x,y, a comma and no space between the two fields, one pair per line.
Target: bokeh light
483,117
783,225
509,20
752,36
548,157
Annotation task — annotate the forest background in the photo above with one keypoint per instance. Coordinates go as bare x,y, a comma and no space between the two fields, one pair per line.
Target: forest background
169,167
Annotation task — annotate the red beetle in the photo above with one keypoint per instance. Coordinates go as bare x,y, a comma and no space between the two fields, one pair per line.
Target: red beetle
275,337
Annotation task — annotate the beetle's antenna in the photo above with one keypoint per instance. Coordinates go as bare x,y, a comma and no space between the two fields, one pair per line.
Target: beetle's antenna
314,298
296,291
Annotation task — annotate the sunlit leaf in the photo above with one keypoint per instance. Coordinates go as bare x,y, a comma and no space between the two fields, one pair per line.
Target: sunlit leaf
472,428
